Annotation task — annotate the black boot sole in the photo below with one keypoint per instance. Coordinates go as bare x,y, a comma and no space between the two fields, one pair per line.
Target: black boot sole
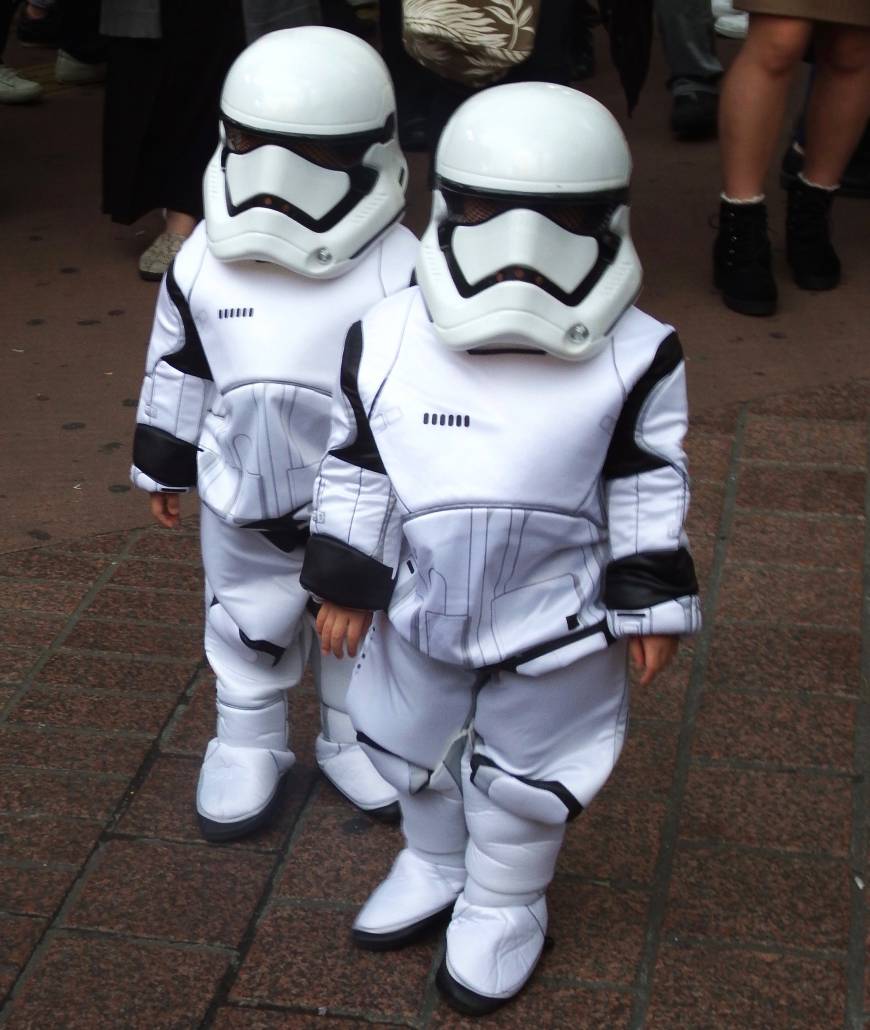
757,308
808,281
460,998
401,938
219,833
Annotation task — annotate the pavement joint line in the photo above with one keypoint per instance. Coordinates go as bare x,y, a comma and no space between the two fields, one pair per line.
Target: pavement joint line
321,1011
158,659
93,732
830,627
72,932
753,765
113,815
823,518
860,799
67,930
264,1006
701,652
261,906
54,769
792,695
787,855
803,466
694,941
431,995
178,713
147,838
781,566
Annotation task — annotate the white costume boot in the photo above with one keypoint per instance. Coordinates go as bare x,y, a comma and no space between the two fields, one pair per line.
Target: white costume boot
499,924
339,756
243,765
429,873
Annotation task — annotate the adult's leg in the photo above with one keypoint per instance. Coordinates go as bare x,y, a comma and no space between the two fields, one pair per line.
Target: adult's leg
409,712
540,750
839,103
754,95
836,116
688,41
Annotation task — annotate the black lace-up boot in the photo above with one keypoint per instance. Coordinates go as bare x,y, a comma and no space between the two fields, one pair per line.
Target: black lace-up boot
741,259
814,262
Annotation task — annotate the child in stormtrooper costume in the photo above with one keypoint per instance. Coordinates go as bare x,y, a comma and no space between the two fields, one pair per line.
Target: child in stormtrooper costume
300,239
506,490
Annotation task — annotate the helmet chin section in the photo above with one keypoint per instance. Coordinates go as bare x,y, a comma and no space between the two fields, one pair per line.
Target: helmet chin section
265,233
520,313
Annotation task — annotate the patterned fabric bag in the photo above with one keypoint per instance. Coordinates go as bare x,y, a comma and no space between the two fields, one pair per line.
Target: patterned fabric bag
475,42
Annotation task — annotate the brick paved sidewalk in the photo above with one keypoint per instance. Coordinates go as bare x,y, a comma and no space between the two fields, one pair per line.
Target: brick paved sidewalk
717,882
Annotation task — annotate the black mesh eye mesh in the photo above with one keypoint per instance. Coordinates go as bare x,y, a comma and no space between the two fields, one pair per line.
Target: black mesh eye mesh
338,154
583,216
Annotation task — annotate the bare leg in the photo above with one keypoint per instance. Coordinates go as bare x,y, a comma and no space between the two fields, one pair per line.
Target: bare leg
839,104
178,222
753,100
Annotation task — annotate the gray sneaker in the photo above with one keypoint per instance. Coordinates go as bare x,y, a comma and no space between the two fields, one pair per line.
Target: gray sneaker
71,70
15,89
159,255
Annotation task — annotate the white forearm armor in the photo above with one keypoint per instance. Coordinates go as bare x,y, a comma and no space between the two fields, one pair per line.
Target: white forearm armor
508,510
239,372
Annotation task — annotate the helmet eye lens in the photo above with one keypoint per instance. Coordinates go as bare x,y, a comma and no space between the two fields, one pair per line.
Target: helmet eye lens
336,153
583,216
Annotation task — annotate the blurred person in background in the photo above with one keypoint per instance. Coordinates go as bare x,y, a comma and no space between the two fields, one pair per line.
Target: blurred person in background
753,106
167,62
14,88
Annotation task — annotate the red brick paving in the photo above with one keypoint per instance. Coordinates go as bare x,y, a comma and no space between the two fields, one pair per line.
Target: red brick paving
718,881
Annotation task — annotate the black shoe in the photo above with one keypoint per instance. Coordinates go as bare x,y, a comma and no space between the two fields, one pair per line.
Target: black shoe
694,115
38,31
855,181
413,134
741,259
814,262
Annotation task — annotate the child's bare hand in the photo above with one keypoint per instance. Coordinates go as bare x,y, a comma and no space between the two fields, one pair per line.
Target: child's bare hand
651,654
166,508
337,625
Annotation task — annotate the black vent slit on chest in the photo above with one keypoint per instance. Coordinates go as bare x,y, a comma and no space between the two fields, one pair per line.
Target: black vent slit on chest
437,418
235,312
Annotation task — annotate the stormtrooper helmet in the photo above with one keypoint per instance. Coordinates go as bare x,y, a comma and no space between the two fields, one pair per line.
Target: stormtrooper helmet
528,245
308,173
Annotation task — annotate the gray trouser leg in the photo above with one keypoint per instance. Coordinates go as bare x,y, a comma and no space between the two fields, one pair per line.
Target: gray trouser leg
686,30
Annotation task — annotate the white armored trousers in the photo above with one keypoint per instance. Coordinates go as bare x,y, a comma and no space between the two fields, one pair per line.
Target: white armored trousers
537,751
258,639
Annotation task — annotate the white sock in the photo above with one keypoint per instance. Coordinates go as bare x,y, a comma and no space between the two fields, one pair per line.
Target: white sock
743,200
816,185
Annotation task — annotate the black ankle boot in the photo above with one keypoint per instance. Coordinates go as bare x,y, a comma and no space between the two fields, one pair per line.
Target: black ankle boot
741,259
814,262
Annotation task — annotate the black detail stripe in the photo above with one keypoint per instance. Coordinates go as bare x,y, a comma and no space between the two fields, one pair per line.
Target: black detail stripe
285,532
363,452
164,457
553,786
624,456
264,647
340,573
191,359
511,664
649,578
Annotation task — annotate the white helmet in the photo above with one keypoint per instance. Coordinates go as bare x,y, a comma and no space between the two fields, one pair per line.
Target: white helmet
308,173
528,244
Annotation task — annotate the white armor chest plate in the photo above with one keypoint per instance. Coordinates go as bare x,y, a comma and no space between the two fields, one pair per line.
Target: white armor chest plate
496,461
273,341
